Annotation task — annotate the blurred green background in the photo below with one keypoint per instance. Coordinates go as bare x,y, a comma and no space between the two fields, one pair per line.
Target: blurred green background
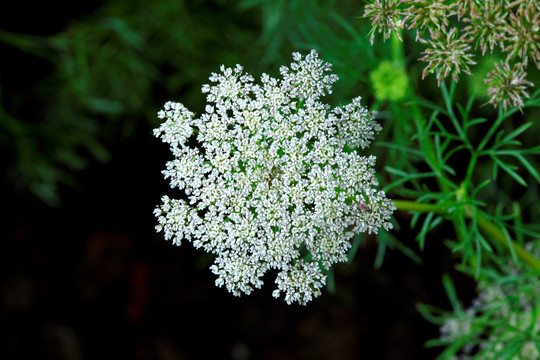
84,275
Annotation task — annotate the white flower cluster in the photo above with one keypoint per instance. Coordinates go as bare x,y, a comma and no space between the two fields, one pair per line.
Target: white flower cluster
272,177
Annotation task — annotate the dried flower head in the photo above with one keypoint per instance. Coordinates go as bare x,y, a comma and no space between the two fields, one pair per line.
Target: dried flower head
273,178
447,55
507,86
433,14
385,17
488,24
523,33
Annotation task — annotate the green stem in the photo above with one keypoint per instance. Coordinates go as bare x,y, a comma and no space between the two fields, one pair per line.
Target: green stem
470,169
432,160
396,48
35,45
405,205
484,224
491,130
428,148
497,234
448,100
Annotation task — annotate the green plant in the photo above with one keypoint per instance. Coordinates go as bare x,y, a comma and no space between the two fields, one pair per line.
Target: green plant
97,78
466,169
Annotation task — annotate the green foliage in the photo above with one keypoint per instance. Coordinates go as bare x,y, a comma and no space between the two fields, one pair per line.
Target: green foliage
503,322
453,161
447,134
105,71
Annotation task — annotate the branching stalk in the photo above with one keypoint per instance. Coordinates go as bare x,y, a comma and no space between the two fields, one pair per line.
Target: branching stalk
484,224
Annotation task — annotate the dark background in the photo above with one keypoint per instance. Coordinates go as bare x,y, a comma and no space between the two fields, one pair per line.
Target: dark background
83,275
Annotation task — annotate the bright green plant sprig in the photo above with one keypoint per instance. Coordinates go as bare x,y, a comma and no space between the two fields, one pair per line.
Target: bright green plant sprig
494,245
457,167
440,138
489,235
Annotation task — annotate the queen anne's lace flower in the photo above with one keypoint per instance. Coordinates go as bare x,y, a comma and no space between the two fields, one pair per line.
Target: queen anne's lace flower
273,178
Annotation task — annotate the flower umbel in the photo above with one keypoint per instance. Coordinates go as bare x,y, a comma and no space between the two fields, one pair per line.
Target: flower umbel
447,55
487,23
428,13
385,18
508,85
273,178
524,33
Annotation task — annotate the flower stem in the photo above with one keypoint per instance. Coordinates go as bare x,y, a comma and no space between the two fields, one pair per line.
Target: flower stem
484,224
405,205
492,230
